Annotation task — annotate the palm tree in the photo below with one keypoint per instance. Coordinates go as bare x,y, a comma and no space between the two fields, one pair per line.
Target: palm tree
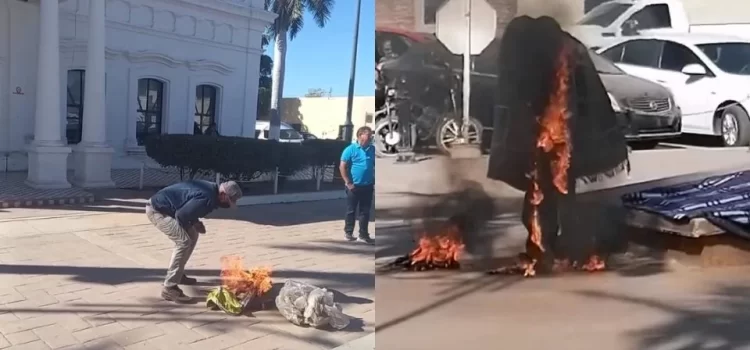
289,23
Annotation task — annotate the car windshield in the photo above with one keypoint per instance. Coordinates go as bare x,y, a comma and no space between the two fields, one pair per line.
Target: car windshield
290,134
604,14
604,66
733,58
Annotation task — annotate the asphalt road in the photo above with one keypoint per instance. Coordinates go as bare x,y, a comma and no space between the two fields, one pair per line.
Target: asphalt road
672,307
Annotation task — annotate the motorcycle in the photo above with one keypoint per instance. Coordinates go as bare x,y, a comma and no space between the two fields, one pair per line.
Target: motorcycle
435,116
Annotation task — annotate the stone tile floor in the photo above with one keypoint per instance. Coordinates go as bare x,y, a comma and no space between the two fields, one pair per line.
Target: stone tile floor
77,279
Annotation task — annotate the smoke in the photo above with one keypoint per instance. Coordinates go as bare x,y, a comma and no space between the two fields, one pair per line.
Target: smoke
565,12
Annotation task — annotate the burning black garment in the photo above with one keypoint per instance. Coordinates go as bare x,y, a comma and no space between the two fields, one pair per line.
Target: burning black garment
546,73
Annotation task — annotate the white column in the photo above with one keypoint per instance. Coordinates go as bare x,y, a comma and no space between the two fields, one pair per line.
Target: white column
93,157
48,155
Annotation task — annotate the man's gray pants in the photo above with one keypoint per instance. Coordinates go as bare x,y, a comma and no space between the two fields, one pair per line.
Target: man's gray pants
185,241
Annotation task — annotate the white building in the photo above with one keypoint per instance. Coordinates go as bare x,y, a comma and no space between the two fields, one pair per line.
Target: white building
83,81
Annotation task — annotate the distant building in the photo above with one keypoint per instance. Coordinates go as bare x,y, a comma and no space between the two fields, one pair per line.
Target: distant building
322,116
82,83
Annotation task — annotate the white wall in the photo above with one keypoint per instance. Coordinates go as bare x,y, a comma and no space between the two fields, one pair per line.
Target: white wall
183,43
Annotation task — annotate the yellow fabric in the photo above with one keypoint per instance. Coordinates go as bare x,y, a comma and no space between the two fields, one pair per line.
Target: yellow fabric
224,300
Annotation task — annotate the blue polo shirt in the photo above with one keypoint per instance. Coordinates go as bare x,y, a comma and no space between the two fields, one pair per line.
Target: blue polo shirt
361,161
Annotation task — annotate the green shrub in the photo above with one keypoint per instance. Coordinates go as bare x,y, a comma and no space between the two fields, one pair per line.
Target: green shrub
240,157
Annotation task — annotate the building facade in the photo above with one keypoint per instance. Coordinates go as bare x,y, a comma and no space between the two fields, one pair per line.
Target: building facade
322,116
419,16
83,82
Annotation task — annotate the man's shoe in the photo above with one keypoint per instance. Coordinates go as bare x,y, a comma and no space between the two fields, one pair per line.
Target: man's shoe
187,281
175,294
366,238
349,237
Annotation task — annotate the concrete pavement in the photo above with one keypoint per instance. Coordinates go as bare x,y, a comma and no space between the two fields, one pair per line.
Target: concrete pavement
89,277
653,303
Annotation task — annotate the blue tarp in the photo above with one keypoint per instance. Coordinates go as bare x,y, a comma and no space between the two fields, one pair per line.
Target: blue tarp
724,200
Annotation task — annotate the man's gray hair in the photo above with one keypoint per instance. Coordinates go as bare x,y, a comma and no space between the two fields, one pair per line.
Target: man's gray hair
232,190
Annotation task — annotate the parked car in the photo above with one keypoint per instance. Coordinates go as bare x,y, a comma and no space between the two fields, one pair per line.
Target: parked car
708,74
286,132
613,20
308,136
646,110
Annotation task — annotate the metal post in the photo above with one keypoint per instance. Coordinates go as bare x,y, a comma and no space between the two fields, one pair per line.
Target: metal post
319,172
348,126
467,74
140,179
276,181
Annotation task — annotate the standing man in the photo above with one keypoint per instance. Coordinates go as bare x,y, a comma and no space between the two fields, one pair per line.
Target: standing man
358,170
176,211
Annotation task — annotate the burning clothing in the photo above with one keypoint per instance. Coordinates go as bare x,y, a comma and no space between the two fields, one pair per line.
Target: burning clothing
554,126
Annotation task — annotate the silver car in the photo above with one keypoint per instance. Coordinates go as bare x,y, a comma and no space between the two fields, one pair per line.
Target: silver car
645,109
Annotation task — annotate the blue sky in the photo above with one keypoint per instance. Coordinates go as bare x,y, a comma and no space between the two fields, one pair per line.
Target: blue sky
321,57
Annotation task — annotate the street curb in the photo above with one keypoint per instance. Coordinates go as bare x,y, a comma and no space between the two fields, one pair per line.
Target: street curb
365,343
36,203
291,198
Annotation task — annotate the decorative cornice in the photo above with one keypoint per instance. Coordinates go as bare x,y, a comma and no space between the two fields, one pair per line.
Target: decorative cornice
152,57
155,57
234,8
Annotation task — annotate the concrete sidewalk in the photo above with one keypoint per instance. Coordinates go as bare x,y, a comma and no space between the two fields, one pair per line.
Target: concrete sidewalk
365,343
90,278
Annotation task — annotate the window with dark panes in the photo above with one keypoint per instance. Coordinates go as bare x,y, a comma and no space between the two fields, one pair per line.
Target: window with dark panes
614,54
205,109
392,46
74,112
652,17
643,53
430,8
150,104
676,56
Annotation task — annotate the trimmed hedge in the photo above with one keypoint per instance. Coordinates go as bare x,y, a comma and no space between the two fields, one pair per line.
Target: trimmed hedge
240,157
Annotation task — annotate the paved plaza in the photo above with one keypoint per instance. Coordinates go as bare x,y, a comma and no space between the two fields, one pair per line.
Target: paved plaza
655,304
89,277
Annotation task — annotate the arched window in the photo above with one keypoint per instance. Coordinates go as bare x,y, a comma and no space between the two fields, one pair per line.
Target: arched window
150,98
74,114
205,110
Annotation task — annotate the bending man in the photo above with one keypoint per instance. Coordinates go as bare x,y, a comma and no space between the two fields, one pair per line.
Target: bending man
176,211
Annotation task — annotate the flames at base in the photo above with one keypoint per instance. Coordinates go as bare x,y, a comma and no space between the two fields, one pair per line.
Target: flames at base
438,251
241,282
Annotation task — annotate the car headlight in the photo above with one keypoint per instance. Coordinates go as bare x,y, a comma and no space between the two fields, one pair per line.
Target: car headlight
613,102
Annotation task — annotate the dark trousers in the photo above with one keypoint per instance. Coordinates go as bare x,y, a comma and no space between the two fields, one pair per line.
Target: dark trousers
359,198
562,218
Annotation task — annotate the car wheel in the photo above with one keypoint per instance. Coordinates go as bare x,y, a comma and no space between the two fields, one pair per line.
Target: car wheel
386,137
448,134
735,127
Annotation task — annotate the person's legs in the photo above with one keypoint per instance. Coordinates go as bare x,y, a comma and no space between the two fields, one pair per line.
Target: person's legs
184,245
351,211
193,234
364,203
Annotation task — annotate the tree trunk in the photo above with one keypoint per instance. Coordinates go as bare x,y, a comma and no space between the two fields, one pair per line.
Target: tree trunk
277,84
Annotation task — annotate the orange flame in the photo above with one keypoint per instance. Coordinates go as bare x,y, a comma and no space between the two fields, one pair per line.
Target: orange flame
554,138
441,250
554,135
242,282
594,264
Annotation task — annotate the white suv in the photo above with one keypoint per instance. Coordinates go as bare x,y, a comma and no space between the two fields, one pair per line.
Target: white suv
709,76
